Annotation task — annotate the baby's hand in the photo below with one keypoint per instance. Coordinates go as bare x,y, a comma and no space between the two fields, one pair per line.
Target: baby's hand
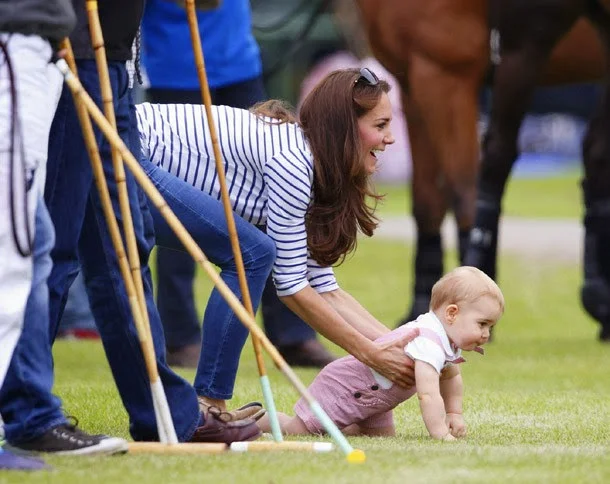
455,422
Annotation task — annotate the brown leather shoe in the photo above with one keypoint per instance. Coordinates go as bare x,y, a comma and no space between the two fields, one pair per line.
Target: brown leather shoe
253,410
215,430
309,353
184,356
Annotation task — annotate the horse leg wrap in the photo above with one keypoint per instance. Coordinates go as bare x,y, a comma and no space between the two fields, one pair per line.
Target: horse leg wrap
597,225
463,241
483,242
595,291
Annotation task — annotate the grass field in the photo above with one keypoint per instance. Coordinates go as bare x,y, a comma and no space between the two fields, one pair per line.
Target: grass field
537,404
555,197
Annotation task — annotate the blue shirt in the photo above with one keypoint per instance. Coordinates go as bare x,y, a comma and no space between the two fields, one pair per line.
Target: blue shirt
230,51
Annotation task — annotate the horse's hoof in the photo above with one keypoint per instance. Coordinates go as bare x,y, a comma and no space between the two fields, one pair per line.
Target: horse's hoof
595,298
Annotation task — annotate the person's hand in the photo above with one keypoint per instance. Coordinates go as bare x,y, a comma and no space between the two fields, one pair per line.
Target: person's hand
455,422
391,361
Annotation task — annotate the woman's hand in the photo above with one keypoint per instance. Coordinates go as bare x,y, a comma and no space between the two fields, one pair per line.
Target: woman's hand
390,360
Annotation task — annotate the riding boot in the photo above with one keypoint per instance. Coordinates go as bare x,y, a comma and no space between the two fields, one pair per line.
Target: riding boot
428,270
595,291
463,242
482,249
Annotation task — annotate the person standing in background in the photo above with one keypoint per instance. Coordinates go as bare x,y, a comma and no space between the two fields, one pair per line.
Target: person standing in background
29,91
33,418
234,70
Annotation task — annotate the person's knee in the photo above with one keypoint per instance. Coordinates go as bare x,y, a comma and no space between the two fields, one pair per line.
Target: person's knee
263,257
270,252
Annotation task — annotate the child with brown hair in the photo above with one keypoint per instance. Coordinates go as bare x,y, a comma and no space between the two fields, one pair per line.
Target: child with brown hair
465,305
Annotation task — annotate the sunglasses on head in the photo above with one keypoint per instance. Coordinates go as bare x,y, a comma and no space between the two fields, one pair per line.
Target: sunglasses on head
368,77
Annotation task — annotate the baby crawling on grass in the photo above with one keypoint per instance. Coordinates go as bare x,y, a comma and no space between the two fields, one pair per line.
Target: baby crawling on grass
465,304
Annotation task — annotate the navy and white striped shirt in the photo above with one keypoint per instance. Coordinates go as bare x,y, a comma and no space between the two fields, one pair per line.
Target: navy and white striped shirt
269,174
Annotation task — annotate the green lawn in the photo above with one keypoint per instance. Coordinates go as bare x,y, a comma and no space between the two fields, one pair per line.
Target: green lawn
557,197
537,404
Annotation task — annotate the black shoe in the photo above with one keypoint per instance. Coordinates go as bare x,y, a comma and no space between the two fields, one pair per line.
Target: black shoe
67,439
310,353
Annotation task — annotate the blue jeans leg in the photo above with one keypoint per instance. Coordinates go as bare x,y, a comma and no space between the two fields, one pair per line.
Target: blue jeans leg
77,313
71,195
111,308
66,188
69,179
223,333
27,405
175,298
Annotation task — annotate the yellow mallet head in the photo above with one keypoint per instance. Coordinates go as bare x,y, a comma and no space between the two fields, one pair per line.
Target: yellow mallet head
356,456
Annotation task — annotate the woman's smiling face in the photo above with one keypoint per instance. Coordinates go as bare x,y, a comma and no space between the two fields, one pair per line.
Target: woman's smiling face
375,133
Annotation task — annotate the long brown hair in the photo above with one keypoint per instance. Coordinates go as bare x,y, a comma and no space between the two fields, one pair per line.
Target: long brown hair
276,110
329,118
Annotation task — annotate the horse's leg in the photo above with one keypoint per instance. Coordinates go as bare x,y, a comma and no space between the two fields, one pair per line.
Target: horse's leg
428,206
527,39
595,292
458,145
441,109
452,125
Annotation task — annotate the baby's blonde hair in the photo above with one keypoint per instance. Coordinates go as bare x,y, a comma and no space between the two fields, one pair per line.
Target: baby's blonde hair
464,284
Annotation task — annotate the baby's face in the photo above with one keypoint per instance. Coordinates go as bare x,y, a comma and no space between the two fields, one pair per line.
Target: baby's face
470,323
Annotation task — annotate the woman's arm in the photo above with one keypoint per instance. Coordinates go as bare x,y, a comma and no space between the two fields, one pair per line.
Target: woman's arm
287,209
322,317
354,335
355,314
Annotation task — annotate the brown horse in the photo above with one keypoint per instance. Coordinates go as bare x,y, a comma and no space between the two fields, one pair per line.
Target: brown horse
439,52
530,30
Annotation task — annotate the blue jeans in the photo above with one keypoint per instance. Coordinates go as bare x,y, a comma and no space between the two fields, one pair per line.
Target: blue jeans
77,313
27,405
203,216
82,236
176,270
